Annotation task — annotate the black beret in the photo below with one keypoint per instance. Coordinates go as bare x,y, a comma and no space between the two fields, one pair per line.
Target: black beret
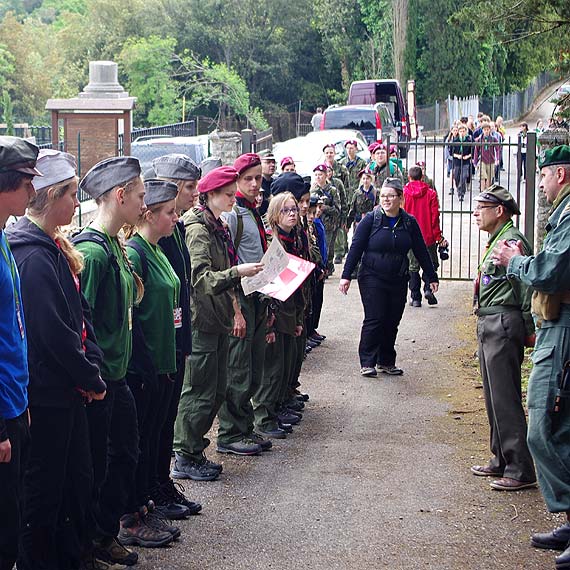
290,182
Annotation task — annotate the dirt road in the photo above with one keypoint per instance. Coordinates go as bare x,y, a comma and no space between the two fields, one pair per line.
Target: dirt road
377,476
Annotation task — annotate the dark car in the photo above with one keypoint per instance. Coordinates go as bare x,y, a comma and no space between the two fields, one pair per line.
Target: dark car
389,92
375,122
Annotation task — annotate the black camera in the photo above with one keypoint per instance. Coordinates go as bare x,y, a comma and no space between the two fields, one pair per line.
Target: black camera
443,252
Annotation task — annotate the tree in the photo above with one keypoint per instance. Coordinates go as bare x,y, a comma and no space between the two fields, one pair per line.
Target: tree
206,83
147,66
8,112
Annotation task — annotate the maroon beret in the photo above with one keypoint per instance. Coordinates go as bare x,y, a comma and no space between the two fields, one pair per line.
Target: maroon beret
355,143
217,178
287,160
246,161
320,168
366,170
375,146
332,145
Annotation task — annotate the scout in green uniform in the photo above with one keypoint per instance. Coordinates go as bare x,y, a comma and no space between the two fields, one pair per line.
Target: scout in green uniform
364,198
548,272
154,354
503,308
382,167
332,211
353,164
185,173
283,215
111,288
215,314
246,353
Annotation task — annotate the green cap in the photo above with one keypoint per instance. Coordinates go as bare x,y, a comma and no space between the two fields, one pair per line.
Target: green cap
498,195
557,155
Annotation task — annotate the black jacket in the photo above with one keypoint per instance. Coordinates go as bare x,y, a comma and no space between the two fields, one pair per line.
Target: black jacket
383,250
54,314
180,261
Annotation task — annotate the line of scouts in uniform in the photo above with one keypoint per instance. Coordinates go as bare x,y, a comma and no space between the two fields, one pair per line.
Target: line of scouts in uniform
131,350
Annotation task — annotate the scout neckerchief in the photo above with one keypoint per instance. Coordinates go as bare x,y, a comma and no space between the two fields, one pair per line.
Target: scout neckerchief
7,254
489,248
221,230
243,202
369,194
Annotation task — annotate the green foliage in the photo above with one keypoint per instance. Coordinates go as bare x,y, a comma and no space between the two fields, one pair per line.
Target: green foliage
146,64
6,65
8,112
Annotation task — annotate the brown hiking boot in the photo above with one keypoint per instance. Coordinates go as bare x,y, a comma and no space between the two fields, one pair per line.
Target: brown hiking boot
135,532
112,551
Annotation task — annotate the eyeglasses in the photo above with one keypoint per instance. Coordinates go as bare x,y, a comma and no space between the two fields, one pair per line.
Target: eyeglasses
287,211
388,196
479,208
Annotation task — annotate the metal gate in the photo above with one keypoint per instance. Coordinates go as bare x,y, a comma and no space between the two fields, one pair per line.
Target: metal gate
456,217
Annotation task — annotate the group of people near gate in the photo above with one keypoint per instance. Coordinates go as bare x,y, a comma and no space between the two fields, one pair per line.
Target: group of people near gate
120,345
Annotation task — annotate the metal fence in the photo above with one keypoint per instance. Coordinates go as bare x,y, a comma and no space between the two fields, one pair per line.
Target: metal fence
440,115
467,243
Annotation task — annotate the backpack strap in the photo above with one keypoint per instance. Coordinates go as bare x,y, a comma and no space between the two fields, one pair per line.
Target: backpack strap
239,229
142,254
113,263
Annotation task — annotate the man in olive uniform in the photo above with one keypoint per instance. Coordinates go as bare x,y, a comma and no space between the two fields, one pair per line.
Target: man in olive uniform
332,212
503,308
548,272
247,354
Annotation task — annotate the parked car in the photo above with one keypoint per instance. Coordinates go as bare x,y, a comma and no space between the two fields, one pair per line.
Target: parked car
375,122
147,150
388,91
307,151
562,92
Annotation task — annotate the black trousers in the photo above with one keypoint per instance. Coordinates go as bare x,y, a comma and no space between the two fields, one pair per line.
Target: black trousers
167,433
317,302
57,490
114,438
11,475
383,308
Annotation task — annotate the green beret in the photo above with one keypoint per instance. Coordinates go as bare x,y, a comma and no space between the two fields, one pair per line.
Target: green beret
554,156
498,195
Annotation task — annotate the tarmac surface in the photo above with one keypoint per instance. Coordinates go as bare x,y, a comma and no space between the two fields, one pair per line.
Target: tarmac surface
377,474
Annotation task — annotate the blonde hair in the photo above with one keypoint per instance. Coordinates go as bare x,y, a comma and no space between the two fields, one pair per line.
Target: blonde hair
275,206
130,230
39,206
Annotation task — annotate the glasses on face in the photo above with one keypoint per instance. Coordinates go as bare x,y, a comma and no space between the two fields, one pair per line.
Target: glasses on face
288,211
388,196
479,208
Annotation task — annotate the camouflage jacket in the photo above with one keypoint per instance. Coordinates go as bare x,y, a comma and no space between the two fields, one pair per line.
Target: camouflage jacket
332,212
353,167
362,203
383,172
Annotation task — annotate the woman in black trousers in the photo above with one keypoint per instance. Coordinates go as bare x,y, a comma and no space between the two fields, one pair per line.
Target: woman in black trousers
381,243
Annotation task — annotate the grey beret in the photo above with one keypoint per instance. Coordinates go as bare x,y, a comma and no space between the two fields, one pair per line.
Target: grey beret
55,166
209,164
108,173
159,191
395,183
177,166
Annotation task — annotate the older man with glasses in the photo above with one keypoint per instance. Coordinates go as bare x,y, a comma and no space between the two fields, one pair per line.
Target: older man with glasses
504,326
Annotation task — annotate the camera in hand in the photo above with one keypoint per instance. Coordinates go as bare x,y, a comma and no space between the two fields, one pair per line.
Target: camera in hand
443,252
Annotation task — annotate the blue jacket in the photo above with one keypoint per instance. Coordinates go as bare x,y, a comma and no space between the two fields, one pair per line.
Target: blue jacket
13,352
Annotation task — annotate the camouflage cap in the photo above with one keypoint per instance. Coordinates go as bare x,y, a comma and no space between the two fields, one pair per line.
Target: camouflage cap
554,156
498,195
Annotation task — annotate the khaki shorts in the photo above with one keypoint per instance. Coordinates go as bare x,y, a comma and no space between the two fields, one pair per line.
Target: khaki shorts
487,172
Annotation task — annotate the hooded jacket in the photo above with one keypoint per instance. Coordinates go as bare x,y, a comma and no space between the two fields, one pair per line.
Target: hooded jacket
54,313
421,202
212,277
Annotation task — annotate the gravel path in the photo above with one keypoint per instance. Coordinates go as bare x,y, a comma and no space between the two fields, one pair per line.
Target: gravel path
377,476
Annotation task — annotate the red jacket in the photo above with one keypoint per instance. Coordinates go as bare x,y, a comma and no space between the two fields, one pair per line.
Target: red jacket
421,202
